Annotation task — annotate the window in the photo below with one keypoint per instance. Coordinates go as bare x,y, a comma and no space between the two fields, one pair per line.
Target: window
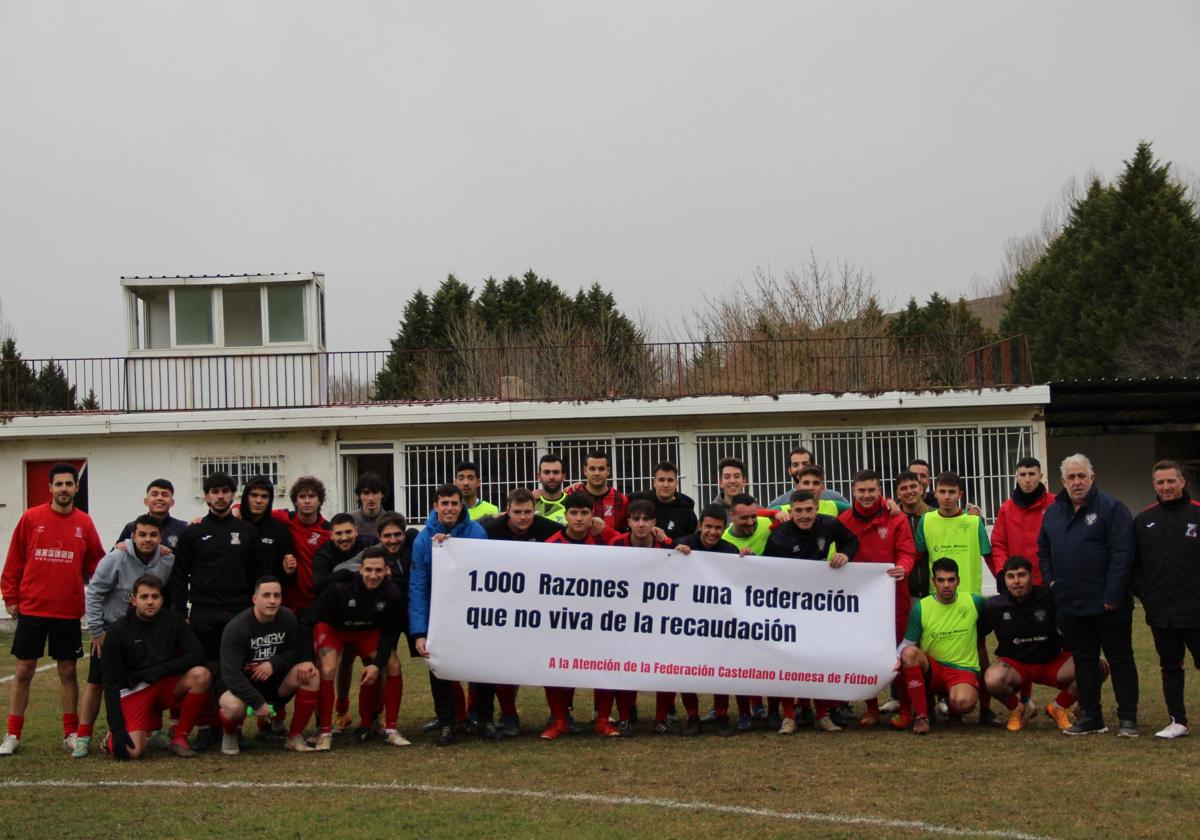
766,457
285,313
242,310
193,315
321,316
503,466
1002,447
710,449
889,452
956,449
153,321
241,468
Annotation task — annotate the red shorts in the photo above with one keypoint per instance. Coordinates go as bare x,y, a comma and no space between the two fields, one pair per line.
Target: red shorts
942,677
363,643
143,708
1039,673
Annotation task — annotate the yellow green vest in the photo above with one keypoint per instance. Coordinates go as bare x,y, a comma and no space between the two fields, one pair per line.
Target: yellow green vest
482,509
956,537
948,631
756,542
554,510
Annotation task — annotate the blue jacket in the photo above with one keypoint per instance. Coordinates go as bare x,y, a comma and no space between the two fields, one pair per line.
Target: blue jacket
421,577
1086,555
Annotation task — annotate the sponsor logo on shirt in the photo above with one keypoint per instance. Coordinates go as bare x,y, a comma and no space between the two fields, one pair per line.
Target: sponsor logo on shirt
54,555
267,540
352,603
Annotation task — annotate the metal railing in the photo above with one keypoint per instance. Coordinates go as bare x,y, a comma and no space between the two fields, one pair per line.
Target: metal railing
667,370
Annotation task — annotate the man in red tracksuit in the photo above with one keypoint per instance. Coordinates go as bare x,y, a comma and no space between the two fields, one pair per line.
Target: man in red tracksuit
54,550
578,531
883,537
1015,533
309,532
608,503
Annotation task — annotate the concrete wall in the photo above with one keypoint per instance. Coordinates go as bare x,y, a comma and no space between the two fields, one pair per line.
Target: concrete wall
119,467
1122,464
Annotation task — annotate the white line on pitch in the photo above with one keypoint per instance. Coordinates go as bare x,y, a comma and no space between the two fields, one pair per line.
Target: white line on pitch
594,798
11,677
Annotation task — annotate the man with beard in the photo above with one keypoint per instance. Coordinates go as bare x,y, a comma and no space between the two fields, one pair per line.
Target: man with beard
674,513
883,537
550,496
345,543
53,551
151,662
217,561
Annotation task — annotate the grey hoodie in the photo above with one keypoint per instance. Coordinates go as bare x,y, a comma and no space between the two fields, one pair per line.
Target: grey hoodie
109,589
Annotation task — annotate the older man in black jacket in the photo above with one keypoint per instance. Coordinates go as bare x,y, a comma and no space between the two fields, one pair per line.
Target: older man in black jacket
1166,576
1085,549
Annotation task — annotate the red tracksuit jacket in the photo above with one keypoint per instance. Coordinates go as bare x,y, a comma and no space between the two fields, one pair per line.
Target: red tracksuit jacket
884,538
1015,534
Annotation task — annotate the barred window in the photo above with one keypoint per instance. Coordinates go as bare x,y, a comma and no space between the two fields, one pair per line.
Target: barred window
241,468
632,459
503,466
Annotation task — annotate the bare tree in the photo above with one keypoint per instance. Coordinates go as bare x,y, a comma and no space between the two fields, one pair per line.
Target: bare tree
1170,348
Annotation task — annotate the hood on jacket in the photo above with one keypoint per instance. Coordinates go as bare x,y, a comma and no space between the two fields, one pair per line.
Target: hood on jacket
435,526
258,481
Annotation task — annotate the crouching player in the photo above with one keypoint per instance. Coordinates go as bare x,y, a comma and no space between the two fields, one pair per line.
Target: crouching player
151,661
940,649
264,661
367,616
1029,648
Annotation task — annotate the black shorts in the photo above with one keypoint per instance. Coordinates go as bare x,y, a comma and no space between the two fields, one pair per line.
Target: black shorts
65,635
95,674
270,691
208,627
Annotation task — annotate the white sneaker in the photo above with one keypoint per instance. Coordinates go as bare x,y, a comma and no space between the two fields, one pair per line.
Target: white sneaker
943,709
1171,731
296,743
9,745
395,739
324,742
890,707
69,742
229,743
787,726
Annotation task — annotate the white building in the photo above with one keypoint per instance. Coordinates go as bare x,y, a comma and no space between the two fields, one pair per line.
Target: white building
231,373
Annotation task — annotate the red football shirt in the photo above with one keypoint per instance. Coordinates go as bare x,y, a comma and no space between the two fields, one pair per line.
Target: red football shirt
50,558
306,539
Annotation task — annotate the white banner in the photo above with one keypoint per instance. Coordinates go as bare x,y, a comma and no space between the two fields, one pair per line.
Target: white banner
655,620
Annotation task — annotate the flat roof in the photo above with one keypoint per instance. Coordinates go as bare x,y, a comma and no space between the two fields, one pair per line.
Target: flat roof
141,282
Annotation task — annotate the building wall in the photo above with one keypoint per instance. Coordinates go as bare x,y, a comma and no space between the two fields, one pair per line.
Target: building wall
119,467
1122,464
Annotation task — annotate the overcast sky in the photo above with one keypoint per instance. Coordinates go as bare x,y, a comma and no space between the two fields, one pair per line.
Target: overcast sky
664,150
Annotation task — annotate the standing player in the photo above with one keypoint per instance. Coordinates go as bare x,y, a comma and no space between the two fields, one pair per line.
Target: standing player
160,498
608,503
1029,648
53,551
309,532
550,495
1015,531
265,660
953,532
642,534
674,512
1166,576
466,478
108,596
366,615
579,531
216,563
369,490
152,661
810,535
449,519
258,497
798,459
345,543
883,537
941,649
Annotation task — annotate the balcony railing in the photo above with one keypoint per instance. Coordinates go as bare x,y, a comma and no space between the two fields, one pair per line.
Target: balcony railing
580,372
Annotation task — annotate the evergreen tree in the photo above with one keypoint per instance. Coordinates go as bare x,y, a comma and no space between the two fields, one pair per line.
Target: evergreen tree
55,393
1123,270
18,382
